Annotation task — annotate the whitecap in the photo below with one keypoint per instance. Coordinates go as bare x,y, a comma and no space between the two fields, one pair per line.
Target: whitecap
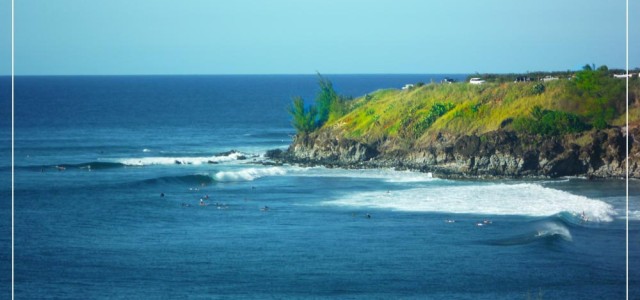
248,174
526,199
388,175
146,161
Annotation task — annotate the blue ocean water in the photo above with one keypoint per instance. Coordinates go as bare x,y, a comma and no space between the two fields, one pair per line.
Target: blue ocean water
111,172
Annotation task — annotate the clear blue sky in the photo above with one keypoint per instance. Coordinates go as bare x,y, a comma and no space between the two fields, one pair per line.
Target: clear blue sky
301,37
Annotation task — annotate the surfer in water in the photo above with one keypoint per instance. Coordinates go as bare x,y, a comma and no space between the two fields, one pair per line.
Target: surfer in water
584,217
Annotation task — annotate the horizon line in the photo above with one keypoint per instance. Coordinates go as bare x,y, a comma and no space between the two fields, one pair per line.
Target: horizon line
293,74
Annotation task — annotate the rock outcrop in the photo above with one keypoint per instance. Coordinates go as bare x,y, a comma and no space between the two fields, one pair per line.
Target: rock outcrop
494,154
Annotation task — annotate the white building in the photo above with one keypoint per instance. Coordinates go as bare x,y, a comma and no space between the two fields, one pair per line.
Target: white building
476,81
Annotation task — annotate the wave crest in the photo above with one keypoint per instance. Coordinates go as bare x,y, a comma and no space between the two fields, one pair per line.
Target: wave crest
548,231
199,160
491,199
248,174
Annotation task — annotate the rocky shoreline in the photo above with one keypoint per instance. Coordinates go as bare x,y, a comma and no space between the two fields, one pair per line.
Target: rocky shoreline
497,154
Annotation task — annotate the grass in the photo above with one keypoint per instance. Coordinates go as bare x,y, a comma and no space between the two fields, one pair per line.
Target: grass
477,109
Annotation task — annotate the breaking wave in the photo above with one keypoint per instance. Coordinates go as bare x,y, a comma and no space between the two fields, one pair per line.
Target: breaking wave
388,175
145,161
248,174
549,230
525,199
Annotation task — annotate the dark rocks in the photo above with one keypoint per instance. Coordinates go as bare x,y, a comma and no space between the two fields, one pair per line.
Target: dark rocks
494,154
275,154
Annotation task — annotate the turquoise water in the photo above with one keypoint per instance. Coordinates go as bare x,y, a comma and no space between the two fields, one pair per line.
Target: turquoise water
110,172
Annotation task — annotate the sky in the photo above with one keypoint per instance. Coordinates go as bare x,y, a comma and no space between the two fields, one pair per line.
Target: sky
90,37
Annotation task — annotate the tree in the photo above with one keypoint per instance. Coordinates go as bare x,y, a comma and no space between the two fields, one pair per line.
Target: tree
328,106
304,120
325,100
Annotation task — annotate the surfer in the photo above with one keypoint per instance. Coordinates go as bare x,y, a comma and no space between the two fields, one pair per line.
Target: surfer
202,202
584,217
161,194
265,208
368,216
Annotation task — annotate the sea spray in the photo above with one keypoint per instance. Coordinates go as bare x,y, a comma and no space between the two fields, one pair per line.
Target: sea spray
526,199
145,161
248,174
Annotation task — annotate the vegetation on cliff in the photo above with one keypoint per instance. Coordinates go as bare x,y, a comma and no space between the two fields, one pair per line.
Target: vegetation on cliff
329,106
590,99
567,126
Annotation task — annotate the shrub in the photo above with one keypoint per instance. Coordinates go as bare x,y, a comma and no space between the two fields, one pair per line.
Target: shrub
549,122
538,89
436,111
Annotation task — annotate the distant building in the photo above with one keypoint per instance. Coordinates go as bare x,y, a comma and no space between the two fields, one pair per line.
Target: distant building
407,86
447,80
476,81
523,79
623,75
549,78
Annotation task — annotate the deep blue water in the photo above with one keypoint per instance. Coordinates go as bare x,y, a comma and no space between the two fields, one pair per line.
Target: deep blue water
94,154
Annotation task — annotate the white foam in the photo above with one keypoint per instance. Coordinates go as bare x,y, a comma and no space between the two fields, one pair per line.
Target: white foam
388,175
248,174
493,199
551,229
145,161
146,150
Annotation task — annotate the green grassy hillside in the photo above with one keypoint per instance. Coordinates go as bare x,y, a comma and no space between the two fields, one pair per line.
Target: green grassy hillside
420,113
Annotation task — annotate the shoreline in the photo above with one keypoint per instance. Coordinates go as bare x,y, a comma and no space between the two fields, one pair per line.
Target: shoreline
494,155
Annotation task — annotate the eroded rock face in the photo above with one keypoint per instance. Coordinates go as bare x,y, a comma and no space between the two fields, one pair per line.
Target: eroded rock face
494,154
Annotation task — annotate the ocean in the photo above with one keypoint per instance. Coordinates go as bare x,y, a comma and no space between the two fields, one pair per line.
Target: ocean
154,187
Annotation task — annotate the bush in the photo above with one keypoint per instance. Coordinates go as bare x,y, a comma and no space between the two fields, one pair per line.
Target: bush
436,111
550,122
600,123
538,89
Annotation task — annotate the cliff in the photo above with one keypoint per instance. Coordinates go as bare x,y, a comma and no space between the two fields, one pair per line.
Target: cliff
494,154
493,130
